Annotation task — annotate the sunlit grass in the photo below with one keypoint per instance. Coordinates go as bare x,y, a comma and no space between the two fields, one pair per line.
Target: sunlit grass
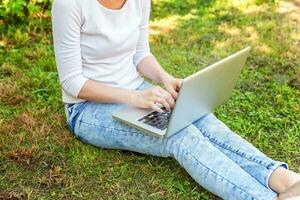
168,24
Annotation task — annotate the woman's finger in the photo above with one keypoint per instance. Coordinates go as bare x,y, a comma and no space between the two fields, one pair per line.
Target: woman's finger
168,97
178,83
170,100
173,93
155,107
163,102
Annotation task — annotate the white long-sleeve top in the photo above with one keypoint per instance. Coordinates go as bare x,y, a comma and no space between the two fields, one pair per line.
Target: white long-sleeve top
97,43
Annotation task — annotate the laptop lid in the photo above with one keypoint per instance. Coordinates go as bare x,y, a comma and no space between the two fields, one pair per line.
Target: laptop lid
203,91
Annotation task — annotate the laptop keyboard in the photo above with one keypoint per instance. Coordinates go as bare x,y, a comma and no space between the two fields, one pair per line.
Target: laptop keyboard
156,119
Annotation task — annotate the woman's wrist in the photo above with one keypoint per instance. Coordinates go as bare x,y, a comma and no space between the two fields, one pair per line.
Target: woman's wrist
122,95
131,97
165,77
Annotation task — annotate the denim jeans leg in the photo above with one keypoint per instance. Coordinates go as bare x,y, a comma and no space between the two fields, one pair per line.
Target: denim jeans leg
207,165
93,123
214,170
238,149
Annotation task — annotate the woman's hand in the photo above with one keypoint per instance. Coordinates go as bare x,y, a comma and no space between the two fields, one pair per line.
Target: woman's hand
149,97
172,85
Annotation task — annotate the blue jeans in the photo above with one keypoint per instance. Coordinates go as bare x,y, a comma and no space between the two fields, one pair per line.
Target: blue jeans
214,156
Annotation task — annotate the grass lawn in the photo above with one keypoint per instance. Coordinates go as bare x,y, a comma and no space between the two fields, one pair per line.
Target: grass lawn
40,159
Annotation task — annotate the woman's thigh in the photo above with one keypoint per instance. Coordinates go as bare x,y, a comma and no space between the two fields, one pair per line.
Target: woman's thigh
96,126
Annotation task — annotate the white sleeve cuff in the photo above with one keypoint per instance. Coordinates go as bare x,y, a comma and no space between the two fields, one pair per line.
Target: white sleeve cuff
73,85
140,56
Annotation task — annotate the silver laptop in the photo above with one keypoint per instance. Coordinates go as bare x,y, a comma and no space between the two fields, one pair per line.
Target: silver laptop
199,94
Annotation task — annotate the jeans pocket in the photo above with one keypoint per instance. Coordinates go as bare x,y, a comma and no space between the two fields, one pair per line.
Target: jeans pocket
73,111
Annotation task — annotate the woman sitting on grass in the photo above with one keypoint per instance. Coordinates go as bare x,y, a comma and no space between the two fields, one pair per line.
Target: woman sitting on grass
101,48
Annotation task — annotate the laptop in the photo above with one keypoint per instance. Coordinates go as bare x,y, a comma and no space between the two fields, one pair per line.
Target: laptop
199,94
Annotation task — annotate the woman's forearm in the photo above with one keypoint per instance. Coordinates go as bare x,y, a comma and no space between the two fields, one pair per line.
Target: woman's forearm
150,68
99,92
95,91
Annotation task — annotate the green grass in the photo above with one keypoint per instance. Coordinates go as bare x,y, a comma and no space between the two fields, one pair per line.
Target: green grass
40,159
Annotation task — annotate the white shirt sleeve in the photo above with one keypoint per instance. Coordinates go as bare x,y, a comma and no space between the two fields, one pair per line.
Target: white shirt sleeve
143,48
66,25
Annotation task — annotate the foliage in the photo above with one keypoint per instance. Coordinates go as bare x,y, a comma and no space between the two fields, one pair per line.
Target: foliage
21,10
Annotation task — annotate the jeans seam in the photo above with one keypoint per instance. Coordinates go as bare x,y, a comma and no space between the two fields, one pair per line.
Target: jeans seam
107,127
215,141
214,171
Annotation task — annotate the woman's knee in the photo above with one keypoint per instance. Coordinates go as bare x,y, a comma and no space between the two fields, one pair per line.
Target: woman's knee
210,123
186,137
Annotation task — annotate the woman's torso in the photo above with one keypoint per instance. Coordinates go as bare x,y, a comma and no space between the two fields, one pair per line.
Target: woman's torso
108,40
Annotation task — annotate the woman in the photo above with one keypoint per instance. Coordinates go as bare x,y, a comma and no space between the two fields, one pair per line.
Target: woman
102,49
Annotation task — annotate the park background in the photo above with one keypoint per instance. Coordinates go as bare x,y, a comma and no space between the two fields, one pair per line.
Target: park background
40,159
